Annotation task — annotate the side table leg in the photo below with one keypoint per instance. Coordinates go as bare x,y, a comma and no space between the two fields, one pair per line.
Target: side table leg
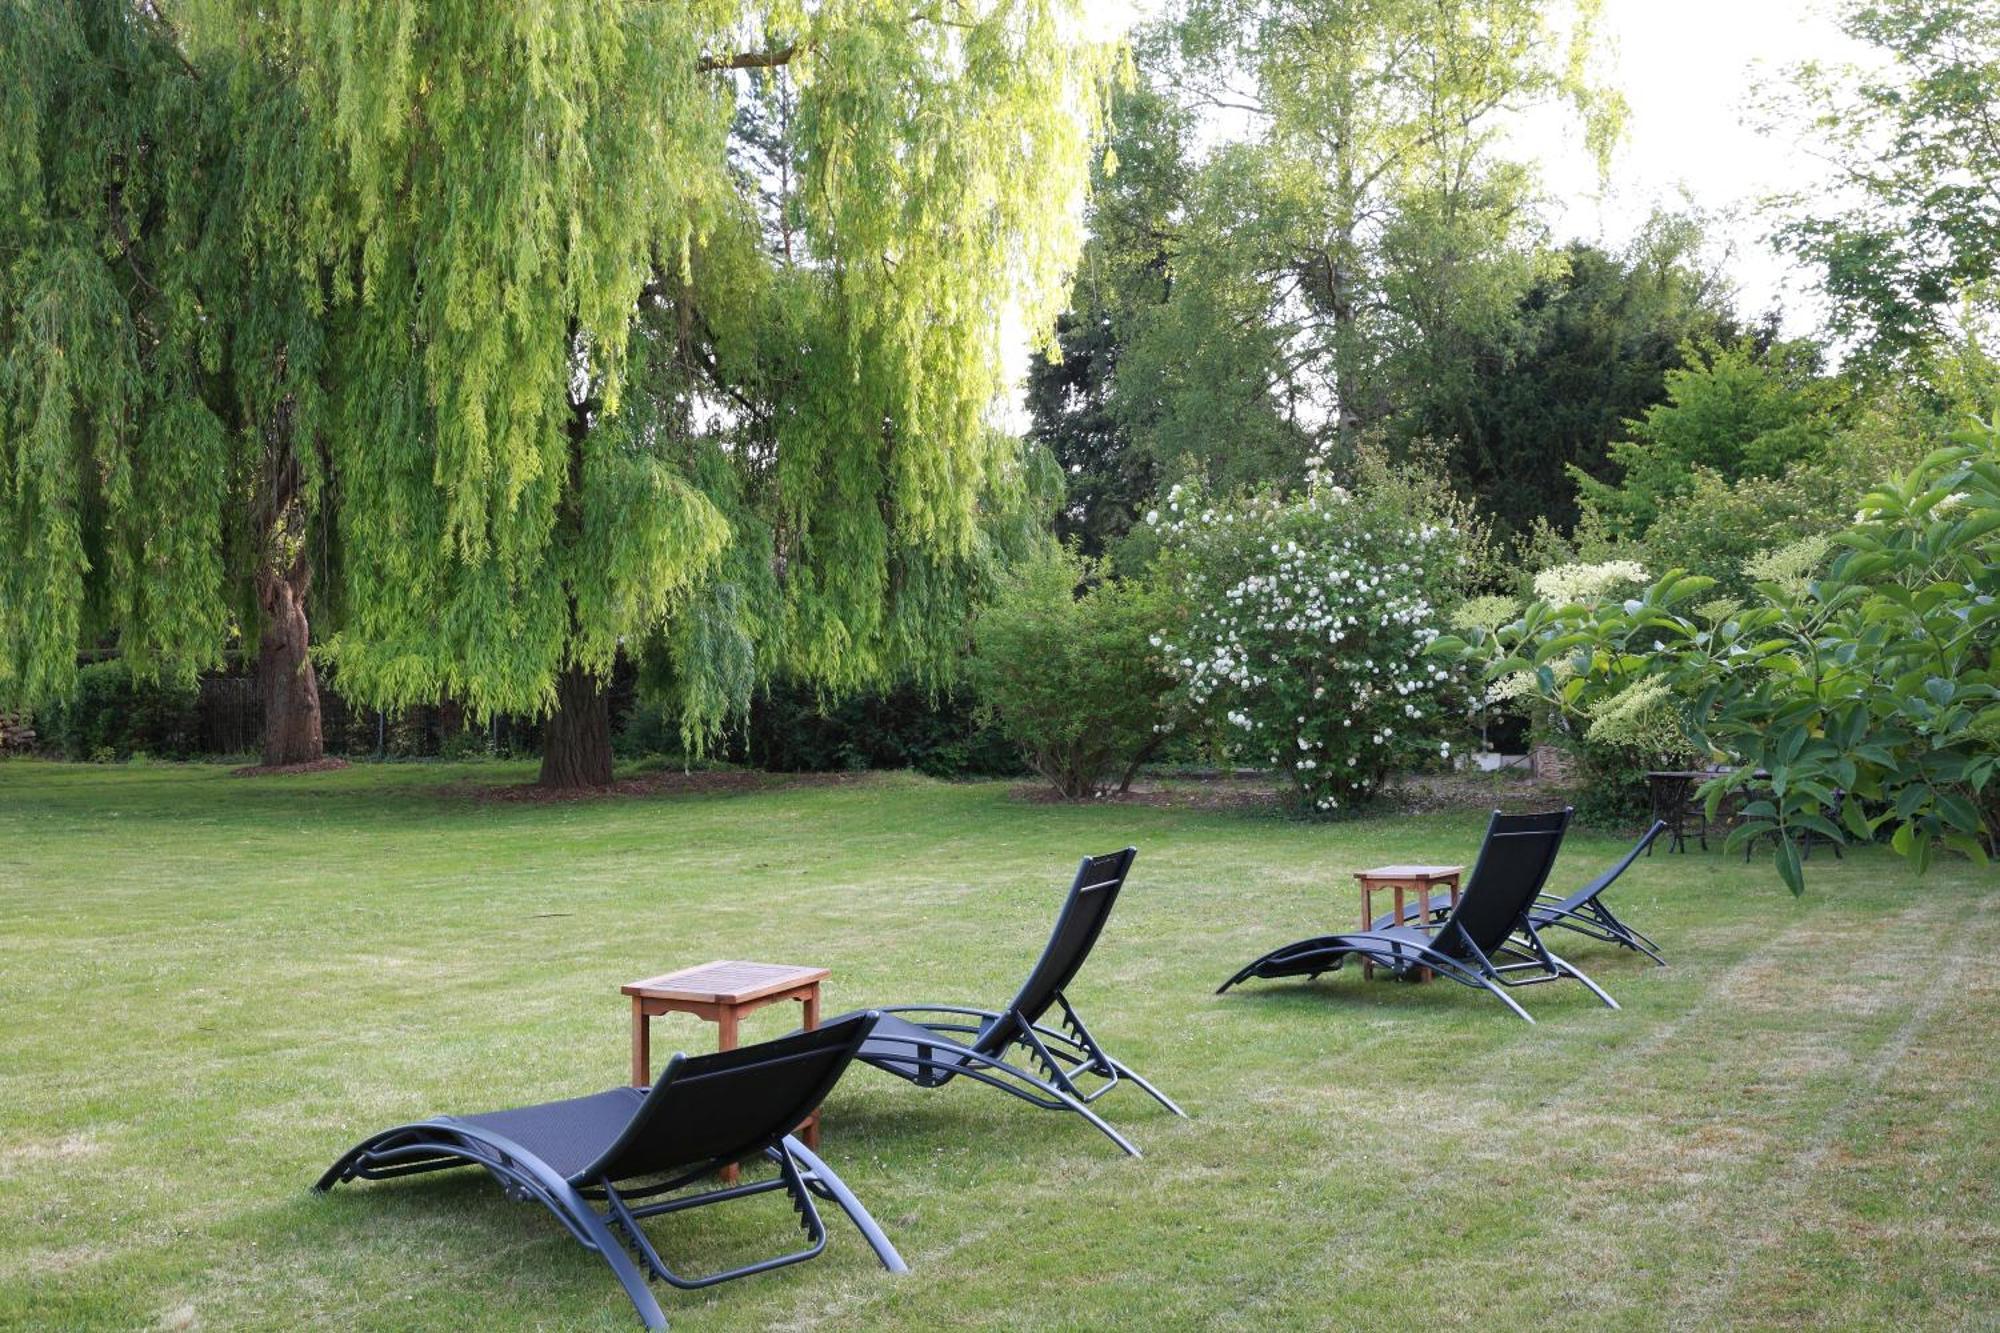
642,1054
725,1040
810,1002
1367,923
1423,904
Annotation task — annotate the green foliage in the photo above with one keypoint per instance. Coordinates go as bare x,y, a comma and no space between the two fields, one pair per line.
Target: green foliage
1913,233
1062,659
574,520
1587,348
1720,525
1247,310
120,388
1301,625
793,729
1864,684
486,312
113,715
1073,392
1733,411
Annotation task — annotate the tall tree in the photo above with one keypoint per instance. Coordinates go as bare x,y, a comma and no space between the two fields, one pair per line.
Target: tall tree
1358,239
1908,230
1392,221
160,356
577,396
1588,348
1128,267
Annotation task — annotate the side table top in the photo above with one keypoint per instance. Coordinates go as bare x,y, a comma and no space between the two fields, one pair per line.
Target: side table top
725,982
1410,872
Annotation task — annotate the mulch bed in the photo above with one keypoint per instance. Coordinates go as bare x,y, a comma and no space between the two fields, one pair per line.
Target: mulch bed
326,765
1419,794
667,782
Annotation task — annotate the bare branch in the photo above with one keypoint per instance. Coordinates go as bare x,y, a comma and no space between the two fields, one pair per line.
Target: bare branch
752,59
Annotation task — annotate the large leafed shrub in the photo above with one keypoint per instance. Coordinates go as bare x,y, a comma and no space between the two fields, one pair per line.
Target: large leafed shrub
1853,693
1062,659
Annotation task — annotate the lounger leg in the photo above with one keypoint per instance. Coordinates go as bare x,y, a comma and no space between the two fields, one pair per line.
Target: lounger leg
1633,939
1506,999
1568,970
1151,1091
628,1273
1627,936
1052,1090
1094,1118
821,1179
522,1178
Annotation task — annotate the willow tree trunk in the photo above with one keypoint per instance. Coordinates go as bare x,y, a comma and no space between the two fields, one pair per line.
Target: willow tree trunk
285,670
576,738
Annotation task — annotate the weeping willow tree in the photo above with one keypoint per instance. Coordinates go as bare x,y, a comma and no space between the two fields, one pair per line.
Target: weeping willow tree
530,334
160,358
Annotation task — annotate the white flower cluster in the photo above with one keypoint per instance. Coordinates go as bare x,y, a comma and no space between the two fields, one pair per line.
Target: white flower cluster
1567,585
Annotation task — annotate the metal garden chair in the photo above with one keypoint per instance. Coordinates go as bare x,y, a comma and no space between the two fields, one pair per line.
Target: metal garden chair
1584,911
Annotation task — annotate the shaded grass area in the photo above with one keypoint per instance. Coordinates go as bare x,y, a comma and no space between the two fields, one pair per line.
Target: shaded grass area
210,986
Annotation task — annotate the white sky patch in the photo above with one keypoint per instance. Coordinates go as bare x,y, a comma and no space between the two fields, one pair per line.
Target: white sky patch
1689,71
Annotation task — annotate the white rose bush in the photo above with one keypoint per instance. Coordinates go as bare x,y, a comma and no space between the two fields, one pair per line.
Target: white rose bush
1303,628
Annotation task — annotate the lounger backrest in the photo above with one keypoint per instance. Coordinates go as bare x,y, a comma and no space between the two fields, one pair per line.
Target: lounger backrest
731,1105
1514,862
1609,877
1084,912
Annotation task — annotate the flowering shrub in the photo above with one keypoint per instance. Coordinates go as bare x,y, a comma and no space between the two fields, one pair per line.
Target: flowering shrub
1611,738
1302,628
1861,675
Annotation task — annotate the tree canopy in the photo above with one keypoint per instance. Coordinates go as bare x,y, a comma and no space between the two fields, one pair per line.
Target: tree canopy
1907,235
1333,273
515,333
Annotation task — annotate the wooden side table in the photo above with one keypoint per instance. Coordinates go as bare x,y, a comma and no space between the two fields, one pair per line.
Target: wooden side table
721,993
1401,880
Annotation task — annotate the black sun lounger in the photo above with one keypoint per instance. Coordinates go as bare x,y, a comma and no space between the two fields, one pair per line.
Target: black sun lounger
629,1144
969,1043
1487,943
1584,911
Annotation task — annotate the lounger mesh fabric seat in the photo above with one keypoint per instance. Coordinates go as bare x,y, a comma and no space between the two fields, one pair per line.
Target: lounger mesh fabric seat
1584,911
619,1147
960,1042
1487,942
897,1045
568,1135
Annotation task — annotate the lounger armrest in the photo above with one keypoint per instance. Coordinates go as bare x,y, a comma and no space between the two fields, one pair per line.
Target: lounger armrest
1555,911
935,1009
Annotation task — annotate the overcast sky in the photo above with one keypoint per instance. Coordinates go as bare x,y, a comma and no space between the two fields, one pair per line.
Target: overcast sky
1687,69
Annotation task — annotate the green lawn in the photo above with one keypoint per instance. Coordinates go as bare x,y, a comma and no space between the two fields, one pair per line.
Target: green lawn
210,986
